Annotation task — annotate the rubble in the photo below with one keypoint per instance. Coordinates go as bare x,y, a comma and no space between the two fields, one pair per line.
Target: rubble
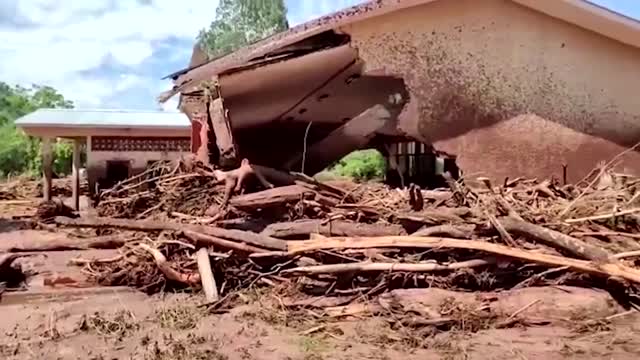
344,244
347,248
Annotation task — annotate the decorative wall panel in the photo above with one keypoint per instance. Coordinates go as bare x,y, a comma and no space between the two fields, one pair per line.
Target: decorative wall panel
108,143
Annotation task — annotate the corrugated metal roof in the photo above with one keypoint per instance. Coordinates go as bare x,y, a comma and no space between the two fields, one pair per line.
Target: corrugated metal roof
104,118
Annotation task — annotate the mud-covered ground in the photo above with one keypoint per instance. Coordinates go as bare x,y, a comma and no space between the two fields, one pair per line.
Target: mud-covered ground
122,324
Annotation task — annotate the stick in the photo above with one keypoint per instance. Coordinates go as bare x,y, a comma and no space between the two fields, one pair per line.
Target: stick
167,270
584,191
555,239
504,234
390,267
607,233
627,254
81,261
331,228
606,270
206,240
144,225
206,275
523,309
460,232
603,216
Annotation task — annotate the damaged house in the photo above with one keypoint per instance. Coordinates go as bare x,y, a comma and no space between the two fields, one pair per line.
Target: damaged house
509,88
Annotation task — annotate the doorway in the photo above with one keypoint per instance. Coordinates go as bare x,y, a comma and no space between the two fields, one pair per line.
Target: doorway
117,170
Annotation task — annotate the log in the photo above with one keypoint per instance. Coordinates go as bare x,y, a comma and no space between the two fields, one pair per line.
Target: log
206,240
387,267
145,225
104,242
304,228
438,215
554,239
459,231
206,276
600,269
271,197
222,130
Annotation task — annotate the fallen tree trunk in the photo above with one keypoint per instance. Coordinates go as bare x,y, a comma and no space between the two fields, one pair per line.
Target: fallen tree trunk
144,225
389,267
330,228
554,239
105,242
600,269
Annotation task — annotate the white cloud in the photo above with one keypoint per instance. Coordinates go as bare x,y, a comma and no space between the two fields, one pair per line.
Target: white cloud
62,43
171,105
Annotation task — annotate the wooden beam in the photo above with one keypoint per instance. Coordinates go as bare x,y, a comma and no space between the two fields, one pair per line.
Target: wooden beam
203,151
224,135
353,135
75,173
47,171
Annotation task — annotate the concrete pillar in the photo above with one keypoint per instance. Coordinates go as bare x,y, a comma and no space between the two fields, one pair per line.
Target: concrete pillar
75,173
47,171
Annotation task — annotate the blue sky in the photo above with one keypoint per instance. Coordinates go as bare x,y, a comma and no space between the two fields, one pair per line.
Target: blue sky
113,53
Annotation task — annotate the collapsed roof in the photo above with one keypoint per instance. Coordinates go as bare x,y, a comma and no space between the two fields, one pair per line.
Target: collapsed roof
297,87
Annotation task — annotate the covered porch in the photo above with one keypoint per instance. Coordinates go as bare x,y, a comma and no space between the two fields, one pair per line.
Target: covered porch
82,126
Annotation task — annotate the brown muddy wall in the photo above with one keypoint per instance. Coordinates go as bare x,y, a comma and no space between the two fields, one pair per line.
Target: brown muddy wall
138,159
509,90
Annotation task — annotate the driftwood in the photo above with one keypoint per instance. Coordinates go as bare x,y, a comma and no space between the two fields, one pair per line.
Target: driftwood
139,225
601,269
206,275
167,270
388,267
303,228
554,239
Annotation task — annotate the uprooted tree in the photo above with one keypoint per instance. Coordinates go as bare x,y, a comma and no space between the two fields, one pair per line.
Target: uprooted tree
242,22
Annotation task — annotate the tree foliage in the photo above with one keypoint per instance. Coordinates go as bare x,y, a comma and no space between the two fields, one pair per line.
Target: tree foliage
361,165
241,22
20,153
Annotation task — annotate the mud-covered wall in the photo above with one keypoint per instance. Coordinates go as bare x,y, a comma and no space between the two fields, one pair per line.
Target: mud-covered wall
138,160
509,90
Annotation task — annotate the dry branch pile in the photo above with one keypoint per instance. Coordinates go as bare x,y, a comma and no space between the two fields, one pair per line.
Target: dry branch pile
339,243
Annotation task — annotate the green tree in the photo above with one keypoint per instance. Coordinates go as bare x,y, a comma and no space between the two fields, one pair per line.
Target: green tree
20,153
241,22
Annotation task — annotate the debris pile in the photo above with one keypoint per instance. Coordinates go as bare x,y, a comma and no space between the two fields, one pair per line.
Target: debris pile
25,188
340,243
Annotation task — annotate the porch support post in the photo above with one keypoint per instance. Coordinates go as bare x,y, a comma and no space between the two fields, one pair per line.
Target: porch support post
47,171
75,173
